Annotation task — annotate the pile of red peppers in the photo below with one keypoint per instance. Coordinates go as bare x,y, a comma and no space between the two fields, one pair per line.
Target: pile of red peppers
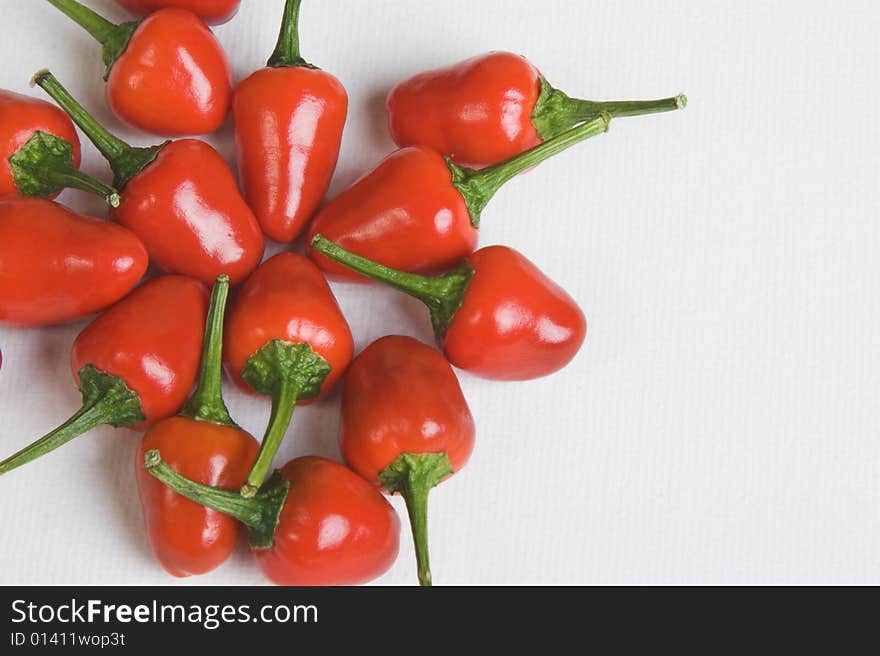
153,358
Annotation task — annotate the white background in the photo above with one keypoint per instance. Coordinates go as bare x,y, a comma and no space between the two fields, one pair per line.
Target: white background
721,423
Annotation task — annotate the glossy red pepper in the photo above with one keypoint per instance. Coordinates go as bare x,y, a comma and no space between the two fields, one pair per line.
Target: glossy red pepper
135,364
494,106
205,445
315,522
287,339
289,119
405,426
58,266
21,117
417,211
180,198
496,315
213,12
166,73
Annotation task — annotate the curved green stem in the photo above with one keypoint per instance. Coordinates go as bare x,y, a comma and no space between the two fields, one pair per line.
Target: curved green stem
125,160
555,112
478,187
95,24
442,294
206,403
286,52
106,400
260,514
416,499
288,373
283,404
44,166
75,179
412,475
113,38
110,146
584,109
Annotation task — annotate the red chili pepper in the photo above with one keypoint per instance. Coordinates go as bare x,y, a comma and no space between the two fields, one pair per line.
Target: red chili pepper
22,117
315,522
135,364
40,151
405,426
288,143
496,315
166,73
287,339
417,211
179,197
213,12
492,107
58,266
205,445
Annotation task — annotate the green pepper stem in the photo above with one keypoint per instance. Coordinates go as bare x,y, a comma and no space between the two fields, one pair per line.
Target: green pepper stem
286,52
283,403
416,498
555,112
125,160
110,146
113,38
478,187
413,475
442,294
75,179
96,25
584,109
44,166
206,403
247,511
260,514
106,400
84,420
287,373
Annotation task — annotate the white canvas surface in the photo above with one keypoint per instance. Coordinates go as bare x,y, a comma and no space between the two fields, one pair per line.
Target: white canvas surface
720,424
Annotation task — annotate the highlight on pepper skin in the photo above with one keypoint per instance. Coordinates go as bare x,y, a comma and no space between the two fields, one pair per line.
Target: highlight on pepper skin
166,74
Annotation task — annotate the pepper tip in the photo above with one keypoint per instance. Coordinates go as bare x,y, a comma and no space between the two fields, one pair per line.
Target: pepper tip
39,76
152,458
681,101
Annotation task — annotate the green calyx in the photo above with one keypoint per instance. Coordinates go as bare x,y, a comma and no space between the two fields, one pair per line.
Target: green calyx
260,513
133,162
413,475
125,160
443,295
44,166
113,38
206,403
116,43
286,54
288,373
106,400
280,362
478,187
555,112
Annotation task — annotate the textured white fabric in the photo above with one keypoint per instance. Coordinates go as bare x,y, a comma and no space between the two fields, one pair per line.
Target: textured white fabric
721,423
